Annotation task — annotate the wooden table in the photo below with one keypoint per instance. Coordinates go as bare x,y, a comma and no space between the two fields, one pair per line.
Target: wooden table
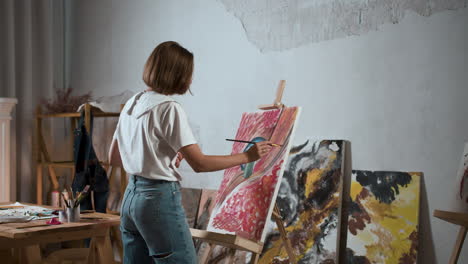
20,241
460,219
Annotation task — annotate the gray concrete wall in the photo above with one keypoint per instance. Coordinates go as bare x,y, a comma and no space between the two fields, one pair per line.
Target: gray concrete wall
398,92
279,24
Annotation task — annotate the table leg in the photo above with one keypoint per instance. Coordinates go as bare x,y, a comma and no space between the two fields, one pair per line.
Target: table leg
117,238
7,256
458,245
31,255
104,249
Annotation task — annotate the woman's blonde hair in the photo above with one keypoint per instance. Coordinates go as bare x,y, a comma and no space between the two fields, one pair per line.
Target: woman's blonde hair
169,69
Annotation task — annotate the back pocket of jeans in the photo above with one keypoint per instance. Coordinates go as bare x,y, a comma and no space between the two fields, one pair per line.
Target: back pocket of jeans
152,194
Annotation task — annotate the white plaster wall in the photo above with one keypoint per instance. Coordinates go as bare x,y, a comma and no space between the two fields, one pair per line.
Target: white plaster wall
398,94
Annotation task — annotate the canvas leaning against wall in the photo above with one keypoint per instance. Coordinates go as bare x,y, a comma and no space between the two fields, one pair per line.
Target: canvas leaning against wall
247,193
383,217
309,201
462,183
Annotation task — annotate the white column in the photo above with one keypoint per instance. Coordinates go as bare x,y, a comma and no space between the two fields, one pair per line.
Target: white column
6,105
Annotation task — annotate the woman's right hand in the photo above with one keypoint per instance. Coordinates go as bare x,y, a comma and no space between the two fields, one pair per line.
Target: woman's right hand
259,150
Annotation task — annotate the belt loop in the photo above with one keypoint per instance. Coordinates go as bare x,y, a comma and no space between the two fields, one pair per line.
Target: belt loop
134,179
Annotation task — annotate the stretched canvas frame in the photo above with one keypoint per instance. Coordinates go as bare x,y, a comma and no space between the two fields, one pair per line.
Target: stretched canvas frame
309,201
247,194
383,217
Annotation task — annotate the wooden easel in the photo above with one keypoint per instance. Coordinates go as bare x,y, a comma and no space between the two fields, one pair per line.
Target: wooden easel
234,242
456,218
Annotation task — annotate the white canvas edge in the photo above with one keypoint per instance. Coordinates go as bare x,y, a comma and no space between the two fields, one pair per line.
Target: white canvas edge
280,175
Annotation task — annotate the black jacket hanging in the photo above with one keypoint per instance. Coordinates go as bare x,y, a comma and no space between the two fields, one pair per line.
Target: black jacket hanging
88,170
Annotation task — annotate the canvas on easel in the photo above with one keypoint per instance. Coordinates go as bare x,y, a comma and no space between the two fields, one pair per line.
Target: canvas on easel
309,201
247,194
246,197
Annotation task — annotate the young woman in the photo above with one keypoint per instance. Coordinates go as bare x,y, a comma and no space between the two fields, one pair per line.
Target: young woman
151,139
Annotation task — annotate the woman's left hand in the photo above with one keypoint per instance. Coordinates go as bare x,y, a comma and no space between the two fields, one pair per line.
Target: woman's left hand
179,159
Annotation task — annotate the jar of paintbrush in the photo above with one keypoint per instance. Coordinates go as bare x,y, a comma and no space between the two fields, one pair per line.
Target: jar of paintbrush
72,205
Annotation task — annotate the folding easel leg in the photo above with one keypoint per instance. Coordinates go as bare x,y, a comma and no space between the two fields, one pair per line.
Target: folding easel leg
206,255
458,245
104,249
254,259
92,252
284,235
117,239
231,256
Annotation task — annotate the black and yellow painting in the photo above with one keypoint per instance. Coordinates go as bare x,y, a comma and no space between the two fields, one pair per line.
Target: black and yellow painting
383,217
309,202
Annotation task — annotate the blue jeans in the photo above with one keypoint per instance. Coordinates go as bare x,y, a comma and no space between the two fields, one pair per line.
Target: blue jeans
153,224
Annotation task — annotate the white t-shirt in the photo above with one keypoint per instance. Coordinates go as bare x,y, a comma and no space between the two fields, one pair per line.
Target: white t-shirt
151,130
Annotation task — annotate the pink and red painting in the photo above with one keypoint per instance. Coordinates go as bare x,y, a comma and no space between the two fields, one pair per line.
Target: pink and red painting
246,197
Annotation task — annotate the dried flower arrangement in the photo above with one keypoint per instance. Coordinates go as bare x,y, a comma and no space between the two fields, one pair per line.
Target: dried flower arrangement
65,102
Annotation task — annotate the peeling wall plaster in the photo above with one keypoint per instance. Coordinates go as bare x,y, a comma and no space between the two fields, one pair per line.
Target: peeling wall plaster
275,25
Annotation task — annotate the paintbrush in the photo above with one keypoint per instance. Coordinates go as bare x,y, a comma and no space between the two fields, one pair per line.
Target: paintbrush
65,200
252,142
81,196
70,193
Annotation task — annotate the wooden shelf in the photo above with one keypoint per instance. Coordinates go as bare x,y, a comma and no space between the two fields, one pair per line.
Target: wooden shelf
77,114
60,164
42,156
65,164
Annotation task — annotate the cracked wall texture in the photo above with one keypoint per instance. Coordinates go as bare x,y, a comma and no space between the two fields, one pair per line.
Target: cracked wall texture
275,25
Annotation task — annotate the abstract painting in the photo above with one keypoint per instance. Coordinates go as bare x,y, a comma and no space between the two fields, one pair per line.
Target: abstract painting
190,201
383,217
462,182
245,199
309,201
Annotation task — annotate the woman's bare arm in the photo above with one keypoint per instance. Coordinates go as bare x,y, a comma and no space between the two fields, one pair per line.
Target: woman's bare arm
205,163
114,154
